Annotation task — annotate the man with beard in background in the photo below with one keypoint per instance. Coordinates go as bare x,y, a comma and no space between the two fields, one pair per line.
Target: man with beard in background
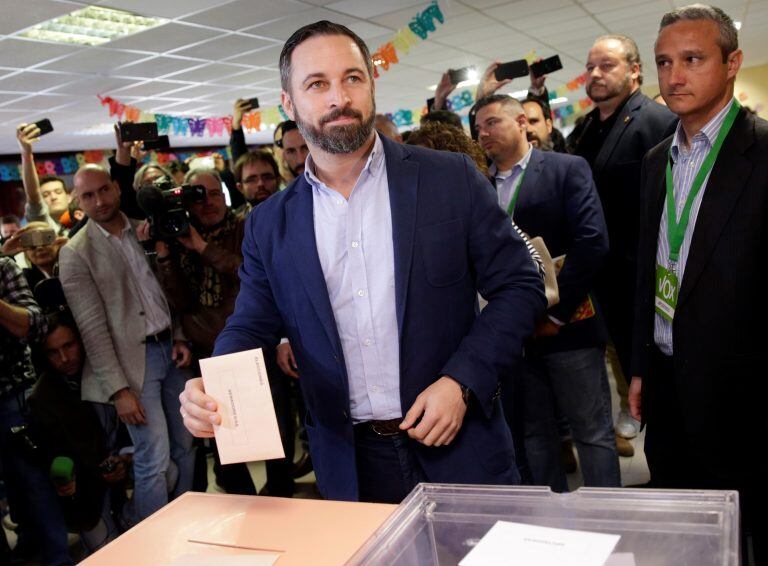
370,263
614,137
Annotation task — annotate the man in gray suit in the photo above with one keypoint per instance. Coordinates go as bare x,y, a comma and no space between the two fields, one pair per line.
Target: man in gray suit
134,359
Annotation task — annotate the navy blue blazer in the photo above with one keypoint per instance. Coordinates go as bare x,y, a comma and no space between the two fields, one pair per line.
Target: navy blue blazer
450,241
559,202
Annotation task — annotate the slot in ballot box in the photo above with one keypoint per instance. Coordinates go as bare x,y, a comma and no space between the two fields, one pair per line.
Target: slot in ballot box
439,524
216,529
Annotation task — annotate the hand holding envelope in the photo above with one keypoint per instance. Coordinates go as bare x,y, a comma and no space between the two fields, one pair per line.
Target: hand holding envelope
233,402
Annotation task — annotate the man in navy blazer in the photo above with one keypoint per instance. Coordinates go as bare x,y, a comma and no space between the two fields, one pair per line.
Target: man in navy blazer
552,196
370,263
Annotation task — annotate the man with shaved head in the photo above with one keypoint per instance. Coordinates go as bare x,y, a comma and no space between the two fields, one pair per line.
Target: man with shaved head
135,356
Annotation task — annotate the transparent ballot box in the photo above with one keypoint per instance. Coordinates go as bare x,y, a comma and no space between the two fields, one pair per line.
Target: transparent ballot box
439,524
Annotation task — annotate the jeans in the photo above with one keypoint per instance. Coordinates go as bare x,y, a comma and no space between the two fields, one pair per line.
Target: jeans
163,438
33,498
387,469
577,382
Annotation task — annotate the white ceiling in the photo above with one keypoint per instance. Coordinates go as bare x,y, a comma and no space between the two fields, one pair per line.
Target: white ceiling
214,51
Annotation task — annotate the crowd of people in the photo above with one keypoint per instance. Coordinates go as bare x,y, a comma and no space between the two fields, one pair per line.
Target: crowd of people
354,253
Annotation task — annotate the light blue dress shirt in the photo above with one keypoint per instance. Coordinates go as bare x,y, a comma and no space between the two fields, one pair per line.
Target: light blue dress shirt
505,180
685,167
354,243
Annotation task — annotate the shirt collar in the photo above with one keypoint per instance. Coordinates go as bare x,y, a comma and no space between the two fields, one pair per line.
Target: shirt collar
372,166
523,163
708,133
126,227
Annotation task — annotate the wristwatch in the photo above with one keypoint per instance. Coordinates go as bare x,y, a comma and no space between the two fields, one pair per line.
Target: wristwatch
466,393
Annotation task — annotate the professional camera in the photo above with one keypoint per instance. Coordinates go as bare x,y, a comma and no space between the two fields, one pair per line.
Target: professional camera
166,207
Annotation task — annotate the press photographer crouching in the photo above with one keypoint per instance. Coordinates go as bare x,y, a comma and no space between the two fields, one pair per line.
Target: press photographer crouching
198,241
77,442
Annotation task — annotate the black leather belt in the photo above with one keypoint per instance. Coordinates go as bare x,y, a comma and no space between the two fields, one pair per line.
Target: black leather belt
162,336
390,427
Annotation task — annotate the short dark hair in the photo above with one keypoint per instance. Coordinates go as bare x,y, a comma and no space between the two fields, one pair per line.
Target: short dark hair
503,99
545,109
323,27
443,116
282,129
10,219
729,35
50,179
261,156
631,52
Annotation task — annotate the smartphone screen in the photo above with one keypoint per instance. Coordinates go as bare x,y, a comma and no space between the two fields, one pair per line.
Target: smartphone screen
162,142
547,66
44,126
511,70
459,75
139,131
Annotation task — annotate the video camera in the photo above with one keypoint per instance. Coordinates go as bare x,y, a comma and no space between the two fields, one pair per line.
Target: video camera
166,207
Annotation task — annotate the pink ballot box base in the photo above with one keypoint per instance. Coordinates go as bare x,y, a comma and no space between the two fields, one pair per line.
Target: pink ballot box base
301,531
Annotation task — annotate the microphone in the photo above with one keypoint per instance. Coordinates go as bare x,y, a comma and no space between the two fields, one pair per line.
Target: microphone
62,470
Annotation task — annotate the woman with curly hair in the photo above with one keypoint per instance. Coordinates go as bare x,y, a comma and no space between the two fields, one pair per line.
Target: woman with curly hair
444,137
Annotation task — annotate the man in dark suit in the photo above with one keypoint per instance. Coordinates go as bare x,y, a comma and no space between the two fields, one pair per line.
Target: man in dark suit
614,138
552,195
369,263
700,334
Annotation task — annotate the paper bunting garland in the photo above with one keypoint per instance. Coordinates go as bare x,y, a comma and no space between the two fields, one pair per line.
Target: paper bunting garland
66,165
194,125
418,29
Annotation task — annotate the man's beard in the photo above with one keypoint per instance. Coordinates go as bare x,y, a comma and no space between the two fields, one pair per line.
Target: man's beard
338,139
542,145
618,90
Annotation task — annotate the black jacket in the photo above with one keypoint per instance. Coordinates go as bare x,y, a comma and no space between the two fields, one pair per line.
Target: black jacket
719,329
559,203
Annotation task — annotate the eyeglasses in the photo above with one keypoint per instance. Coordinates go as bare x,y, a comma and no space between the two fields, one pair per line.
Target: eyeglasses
265,178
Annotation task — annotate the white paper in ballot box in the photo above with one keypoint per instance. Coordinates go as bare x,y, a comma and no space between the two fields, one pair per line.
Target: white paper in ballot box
239,384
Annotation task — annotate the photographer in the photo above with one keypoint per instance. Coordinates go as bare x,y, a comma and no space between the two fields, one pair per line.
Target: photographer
77,439
31,496
198,273
41,248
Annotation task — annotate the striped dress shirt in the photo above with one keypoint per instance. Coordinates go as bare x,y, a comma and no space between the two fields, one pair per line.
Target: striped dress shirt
685,166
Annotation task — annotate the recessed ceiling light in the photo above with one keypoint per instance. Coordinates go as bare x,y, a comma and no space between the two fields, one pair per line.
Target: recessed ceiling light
91,26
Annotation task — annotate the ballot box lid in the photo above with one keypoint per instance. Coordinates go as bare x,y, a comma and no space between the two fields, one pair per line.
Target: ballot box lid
439,524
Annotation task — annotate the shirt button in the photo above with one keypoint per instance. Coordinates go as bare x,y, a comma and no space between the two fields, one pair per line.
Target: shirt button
374,389
360,293
367,341
355,244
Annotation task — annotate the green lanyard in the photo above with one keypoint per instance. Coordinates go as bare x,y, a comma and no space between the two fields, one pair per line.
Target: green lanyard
676,229
515,193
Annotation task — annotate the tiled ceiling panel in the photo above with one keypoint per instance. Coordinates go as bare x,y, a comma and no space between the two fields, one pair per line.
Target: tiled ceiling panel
211,52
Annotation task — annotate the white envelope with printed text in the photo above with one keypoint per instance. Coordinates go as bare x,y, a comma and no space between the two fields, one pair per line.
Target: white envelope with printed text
239,384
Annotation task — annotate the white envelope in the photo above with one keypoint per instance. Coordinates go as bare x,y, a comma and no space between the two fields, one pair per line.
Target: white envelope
529,545
239,384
